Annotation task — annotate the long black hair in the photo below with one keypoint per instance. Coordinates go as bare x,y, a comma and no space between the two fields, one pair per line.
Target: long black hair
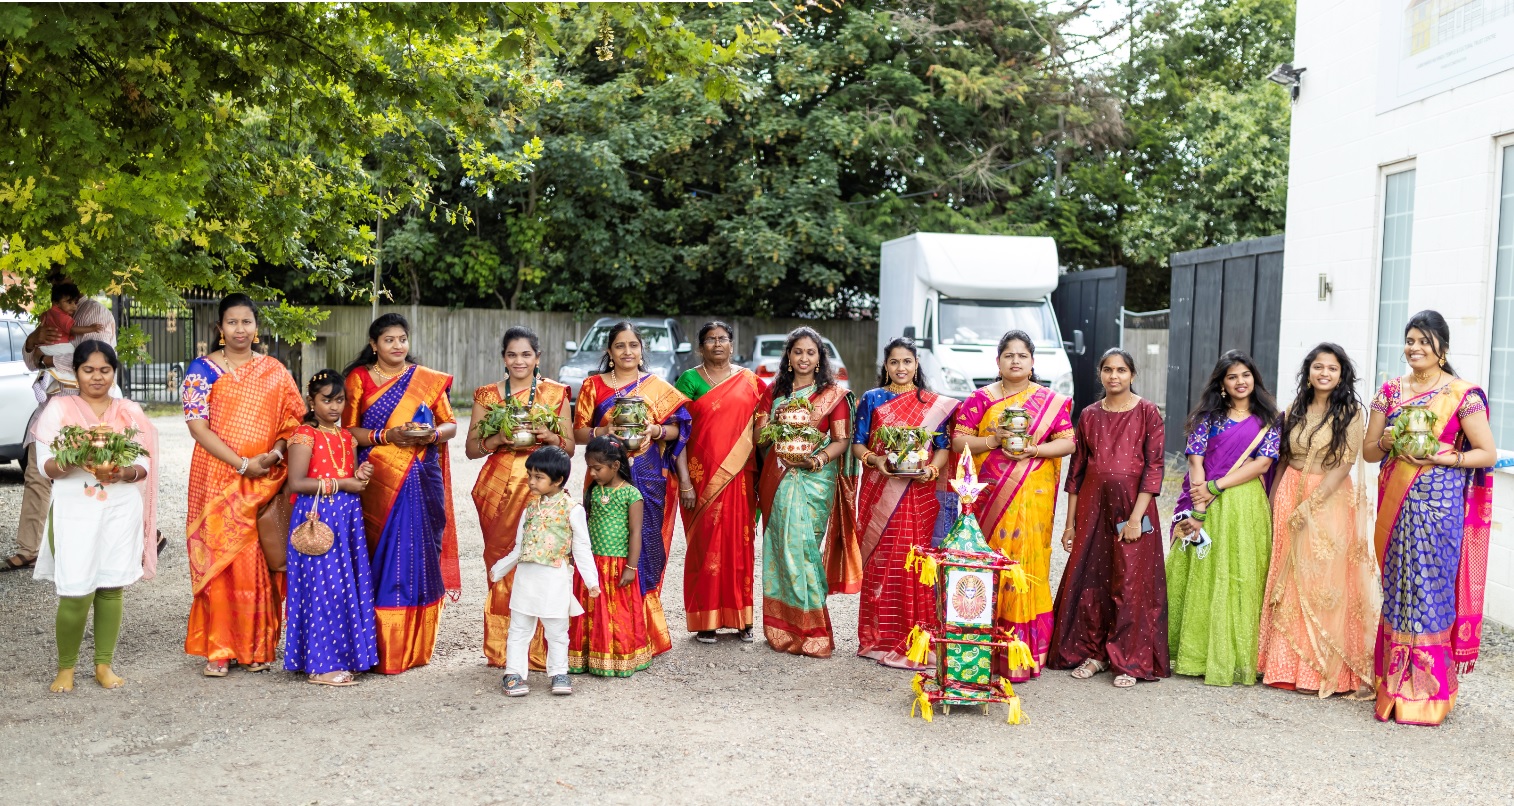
1214,403
89,347
324,382
607,449
1433,325
783,384
1030,345
605,362
1123,356
367,356
902,343
1343,406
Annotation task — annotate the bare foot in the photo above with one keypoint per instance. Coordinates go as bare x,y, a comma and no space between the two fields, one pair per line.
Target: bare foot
63,683
107,678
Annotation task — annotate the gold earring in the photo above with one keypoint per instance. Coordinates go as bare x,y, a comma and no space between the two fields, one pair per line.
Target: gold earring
1442,361
254,338
220,339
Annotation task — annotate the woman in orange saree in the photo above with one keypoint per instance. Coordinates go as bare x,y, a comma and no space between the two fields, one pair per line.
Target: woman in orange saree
720,508
240,406
407,506
501,493
654,466
809,516
897,514
1022,493
1432,534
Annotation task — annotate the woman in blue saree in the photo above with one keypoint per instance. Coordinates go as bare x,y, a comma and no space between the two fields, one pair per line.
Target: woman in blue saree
407,506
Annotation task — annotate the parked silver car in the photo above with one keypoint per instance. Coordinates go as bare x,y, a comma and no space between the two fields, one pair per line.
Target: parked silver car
16,399
666,352
767,353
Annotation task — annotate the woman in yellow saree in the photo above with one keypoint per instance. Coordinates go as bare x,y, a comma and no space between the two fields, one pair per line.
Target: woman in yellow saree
240,406
1020,502
407,506
501,492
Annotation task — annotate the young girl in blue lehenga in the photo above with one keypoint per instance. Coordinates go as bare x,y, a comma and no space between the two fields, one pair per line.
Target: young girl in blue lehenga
330,633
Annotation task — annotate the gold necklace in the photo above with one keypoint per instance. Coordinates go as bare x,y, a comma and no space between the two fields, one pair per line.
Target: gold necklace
710,380
232,368
1134,401
1416,380
385,377
900,388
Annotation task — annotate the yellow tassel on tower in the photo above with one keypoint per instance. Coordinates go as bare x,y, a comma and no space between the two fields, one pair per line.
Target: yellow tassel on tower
1016,713
923,703
1018,656
1016,576
919,645
910,559
927,570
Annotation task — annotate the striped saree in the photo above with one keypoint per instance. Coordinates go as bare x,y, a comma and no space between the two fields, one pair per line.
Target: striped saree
407,512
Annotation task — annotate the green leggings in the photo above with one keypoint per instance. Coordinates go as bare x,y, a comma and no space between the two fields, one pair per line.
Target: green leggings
73,611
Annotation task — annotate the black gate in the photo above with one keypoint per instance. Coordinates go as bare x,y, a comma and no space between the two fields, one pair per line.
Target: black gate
1090,302
175,336
1223,298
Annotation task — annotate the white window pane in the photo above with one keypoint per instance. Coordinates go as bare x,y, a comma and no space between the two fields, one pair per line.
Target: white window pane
1501,368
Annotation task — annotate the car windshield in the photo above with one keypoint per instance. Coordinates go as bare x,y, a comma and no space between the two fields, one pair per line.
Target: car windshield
965,321
656,339
773,348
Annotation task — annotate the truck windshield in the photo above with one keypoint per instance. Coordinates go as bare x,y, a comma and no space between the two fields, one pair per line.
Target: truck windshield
966,321
655,339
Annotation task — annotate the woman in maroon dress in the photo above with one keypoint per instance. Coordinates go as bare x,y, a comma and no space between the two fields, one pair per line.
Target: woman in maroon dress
1111,609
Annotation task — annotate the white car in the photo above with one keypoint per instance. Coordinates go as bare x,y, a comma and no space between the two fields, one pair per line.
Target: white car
16,399
767,353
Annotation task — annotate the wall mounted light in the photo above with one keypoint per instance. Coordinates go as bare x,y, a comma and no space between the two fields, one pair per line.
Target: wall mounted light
1286,75
1324,287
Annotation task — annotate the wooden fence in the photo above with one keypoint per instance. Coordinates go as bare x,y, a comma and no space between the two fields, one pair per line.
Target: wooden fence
1145,337
466,341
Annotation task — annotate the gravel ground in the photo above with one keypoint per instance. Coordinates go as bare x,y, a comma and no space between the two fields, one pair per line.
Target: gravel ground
730,720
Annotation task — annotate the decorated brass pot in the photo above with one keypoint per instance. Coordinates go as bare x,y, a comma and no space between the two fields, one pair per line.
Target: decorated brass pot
1415,432
1015,420
629,411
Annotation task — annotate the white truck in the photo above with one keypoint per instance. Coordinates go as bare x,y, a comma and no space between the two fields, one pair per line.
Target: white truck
956,295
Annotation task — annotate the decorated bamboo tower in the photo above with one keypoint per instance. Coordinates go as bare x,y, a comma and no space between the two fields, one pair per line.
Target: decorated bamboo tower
964,571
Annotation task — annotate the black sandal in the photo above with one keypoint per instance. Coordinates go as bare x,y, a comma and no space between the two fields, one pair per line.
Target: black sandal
16,562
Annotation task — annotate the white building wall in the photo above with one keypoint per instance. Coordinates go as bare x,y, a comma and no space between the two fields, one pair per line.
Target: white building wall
1340,148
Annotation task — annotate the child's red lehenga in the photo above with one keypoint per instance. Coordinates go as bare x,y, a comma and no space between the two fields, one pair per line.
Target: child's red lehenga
610,638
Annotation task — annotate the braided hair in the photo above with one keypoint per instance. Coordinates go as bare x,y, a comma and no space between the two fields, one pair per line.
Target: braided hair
604,450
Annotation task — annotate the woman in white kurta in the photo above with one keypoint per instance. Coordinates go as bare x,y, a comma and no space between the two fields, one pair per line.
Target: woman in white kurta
95,540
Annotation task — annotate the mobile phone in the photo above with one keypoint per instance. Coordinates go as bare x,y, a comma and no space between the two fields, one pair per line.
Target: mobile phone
1145,525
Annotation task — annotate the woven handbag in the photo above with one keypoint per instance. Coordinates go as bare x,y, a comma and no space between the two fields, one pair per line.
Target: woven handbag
312,537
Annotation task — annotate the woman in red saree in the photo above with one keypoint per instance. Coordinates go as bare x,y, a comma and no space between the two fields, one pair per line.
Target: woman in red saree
407,506
654,467
241,406
896,514
809,516
501,492
1022,487
1433,524
720,507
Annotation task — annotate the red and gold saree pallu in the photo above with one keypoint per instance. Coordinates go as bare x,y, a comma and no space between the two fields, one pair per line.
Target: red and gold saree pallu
1432,536
809,533
718,567
407,512
895,515
652,473
237,609
1018,514
500,495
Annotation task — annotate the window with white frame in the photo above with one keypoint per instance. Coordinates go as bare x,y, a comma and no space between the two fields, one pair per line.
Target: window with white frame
1393,288
1501,368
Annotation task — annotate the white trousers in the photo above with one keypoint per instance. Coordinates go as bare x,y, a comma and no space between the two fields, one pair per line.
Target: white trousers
518,644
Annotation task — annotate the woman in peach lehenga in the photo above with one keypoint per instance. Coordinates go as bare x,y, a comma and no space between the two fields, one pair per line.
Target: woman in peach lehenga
1320,610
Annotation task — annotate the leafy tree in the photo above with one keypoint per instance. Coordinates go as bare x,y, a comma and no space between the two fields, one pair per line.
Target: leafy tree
156,147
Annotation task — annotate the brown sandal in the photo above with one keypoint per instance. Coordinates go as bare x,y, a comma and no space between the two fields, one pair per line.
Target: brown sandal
16,562
256,667
215,668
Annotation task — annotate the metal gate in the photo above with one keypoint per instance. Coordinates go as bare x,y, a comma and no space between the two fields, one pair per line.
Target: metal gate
1090,302
176,335
1223,298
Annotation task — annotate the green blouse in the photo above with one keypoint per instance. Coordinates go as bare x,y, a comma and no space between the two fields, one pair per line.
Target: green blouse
610,519
692,384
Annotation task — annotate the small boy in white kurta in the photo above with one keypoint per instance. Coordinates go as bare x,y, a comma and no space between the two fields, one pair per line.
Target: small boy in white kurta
552,527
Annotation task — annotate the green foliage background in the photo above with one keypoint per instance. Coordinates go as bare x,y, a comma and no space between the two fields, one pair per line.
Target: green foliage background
630,157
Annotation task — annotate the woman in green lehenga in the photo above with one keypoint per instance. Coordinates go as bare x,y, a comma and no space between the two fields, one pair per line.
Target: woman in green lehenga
809,540
1217,573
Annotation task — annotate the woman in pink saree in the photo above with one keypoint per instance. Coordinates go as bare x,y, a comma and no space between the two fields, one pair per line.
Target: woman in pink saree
1433,523
1021,499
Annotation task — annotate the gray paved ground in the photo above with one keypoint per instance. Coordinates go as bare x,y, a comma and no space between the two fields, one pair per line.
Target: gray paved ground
705,723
